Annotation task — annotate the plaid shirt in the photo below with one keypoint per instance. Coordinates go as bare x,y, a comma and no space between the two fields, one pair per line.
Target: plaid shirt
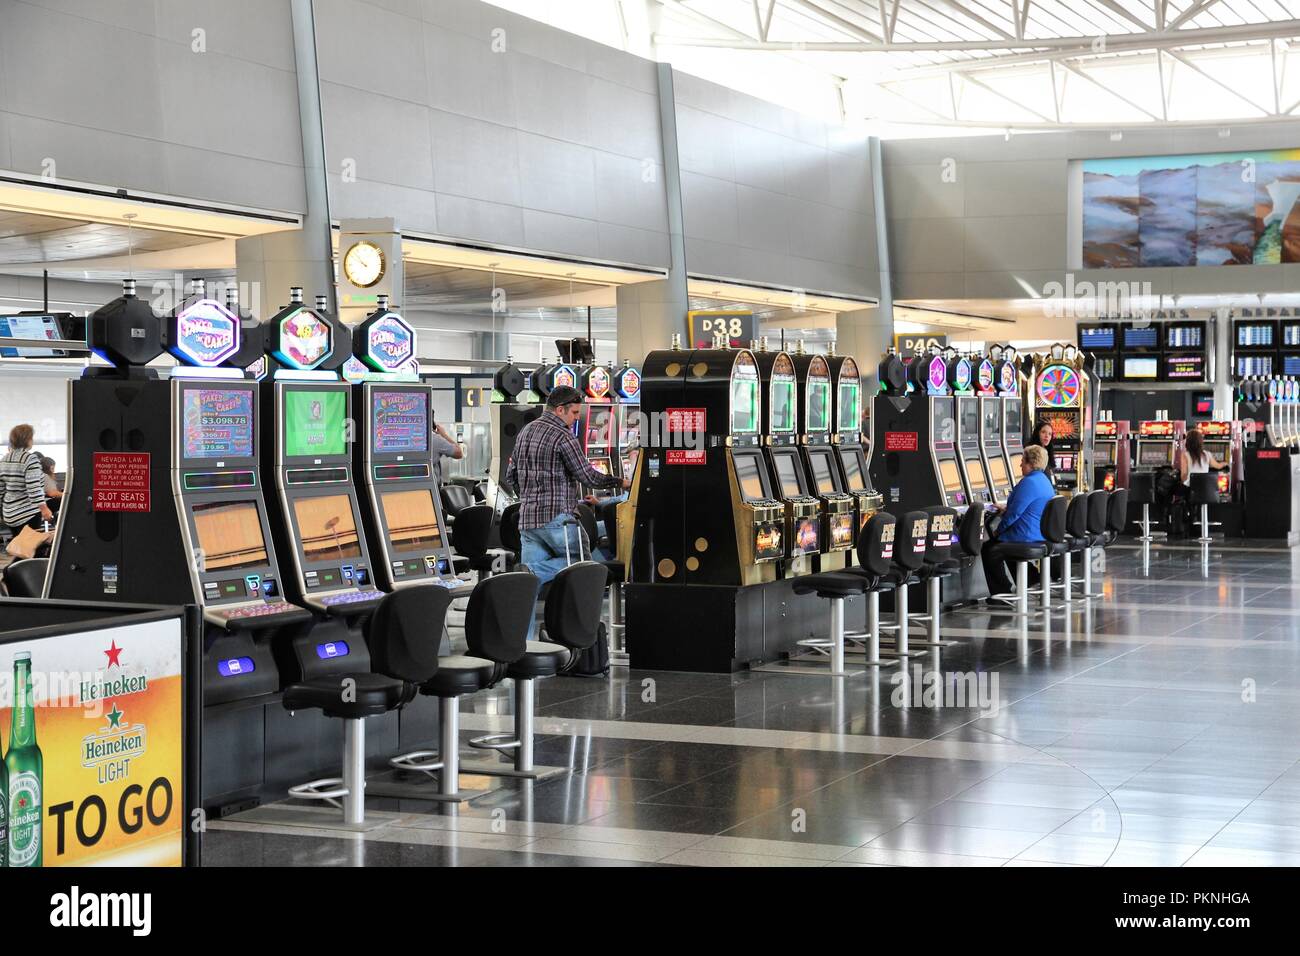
546,467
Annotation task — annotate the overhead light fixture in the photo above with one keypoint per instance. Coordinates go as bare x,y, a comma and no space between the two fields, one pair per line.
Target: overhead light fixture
1116,135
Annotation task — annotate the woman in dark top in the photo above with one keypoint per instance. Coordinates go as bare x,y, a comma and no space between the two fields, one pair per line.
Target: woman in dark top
1043,438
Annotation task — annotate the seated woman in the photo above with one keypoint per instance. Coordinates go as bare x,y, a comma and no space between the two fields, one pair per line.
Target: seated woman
1021,516
1195,460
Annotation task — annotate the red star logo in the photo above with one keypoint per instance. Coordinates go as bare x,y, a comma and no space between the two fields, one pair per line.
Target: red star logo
114,652
22,801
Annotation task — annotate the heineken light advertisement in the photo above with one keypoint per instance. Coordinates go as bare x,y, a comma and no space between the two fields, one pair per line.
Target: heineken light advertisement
91,727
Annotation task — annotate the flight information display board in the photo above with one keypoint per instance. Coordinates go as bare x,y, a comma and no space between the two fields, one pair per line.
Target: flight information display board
399,422
218,423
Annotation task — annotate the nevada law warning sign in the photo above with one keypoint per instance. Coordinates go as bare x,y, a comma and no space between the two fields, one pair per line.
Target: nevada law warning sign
121,481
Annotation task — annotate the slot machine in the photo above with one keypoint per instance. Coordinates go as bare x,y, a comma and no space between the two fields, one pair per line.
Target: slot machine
627,392
1008,380
979,489
1223,441
1114,454
813,377
1158,444
779,420
914,443
990,440
401,505
1059,397
847,413
307,456
596,422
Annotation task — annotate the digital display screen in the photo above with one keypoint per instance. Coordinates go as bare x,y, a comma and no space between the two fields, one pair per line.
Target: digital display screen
970,418
993,421
1156,453
1255,335
998,468
1105,369
326,528
1011,420
28,327
1147,338
979,483
951,478
822,474
629,427
1141,368
314,422
1106,452
747,475
1097,338
819,412
600,426
399,422
848,410
1184,336
782,406
411,519
1291,364
943,421
1016,459
788,475
602,465
852,463
229,534
1204,403
218,423
744,400
1254,365
1065,463
1184,367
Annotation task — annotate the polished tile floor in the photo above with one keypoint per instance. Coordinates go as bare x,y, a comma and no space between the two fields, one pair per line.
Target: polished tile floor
1157,726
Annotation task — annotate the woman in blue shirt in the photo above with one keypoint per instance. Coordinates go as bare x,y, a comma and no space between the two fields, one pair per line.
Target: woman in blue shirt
1022,516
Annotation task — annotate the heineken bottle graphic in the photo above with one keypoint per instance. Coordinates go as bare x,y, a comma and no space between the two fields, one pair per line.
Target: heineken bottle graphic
24,769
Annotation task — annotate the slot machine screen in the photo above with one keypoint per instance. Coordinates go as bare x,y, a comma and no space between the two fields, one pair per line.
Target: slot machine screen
629,431
970,418
852,469
951,477
993,422
849,417
326,528
600,426
819,412
1106,452
229,534
998,468
314,423
744,400
399,422
943,422
1016,459
412,520
602,465
218,423
978,480
747,476
783,406
1064,462
1153,455
821,471
787,476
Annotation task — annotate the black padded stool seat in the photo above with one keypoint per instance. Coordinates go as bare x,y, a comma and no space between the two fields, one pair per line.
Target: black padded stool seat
374,694
25,578
1116,514
541,659
457,676
1018,550
831,584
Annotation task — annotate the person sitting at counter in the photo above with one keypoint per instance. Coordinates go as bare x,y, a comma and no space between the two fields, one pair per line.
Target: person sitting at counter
1021,516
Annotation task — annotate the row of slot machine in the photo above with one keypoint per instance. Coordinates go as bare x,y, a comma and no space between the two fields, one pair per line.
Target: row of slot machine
1157,444
947,429
753,466
608,429
279,477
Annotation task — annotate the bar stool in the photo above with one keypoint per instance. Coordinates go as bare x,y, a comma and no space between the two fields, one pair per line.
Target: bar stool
353,697
939,564
875,554
1203,491
617,574
1116,515
1099,510
909,555
1142,491
1077,541
1053,530
1022,553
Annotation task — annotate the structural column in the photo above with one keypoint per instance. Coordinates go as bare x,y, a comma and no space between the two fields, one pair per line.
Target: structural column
867,334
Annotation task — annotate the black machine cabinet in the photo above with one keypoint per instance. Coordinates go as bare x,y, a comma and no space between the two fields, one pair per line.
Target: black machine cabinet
780,430
707,529
1273,494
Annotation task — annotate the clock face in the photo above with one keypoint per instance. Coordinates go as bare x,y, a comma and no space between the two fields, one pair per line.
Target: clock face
363,264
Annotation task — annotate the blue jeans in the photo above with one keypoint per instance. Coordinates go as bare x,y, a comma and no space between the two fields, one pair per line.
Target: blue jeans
543,550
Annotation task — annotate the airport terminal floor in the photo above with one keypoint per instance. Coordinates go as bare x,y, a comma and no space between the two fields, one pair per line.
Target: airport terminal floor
1154,726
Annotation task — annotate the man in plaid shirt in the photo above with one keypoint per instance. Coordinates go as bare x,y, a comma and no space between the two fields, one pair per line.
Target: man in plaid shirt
546,468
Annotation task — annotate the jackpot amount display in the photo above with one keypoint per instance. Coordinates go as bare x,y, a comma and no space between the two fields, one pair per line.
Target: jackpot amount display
401,422
218,423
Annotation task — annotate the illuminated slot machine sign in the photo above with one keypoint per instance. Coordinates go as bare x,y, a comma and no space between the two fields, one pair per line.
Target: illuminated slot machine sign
399,422
389,343
986,378
303,340
203,334
1218,442
1155,444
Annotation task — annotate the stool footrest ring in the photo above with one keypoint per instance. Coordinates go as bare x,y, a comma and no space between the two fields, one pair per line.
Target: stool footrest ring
329,789
424,761
500,742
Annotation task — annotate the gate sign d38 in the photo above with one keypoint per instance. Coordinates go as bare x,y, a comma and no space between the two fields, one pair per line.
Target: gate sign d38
120,481
739,328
